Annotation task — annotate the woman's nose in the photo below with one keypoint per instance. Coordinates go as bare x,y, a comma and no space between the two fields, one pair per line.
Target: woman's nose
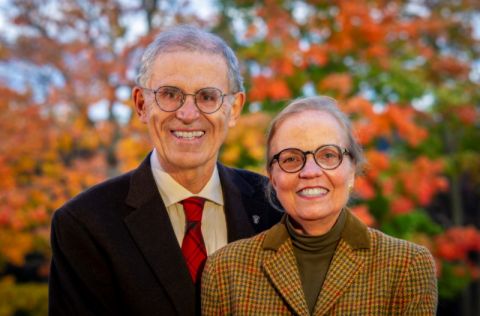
311,168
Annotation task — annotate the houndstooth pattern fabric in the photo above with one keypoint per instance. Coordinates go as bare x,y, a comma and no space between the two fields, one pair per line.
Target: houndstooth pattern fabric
370,274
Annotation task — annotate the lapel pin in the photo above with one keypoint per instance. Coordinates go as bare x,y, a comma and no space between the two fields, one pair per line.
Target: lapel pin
256,219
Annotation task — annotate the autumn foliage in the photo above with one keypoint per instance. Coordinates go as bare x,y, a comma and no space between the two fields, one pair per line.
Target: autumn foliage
403,70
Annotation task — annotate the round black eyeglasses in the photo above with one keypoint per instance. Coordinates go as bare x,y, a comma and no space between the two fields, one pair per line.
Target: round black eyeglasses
292,160
170,99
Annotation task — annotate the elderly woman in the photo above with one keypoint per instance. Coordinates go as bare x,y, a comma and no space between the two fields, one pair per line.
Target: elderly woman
320,259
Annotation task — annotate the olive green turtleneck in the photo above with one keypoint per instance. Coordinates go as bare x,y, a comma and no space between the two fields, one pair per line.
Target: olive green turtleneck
314,254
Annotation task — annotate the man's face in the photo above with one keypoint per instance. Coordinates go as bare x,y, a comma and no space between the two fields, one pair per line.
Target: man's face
188,139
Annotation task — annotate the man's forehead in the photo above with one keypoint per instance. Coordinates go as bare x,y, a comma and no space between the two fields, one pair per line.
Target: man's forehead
192,67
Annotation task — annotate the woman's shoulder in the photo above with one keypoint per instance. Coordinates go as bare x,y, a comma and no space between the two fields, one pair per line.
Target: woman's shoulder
392,247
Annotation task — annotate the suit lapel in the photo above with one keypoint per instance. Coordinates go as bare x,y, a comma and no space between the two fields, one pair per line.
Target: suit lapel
236,196
280,267
346,263
152,231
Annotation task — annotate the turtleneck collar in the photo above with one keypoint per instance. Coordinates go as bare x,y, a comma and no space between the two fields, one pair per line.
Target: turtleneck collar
316,243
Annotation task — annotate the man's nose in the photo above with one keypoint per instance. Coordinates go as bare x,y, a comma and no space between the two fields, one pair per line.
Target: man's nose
188,112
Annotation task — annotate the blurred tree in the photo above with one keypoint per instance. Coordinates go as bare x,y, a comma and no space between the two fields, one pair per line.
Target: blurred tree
66,71
408,73
406,70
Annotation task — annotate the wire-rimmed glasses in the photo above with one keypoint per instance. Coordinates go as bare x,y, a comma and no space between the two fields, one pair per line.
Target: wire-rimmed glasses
169,99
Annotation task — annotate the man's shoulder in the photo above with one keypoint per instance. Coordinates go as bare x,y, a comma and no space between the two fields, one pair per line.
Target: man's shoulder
251,177
108,194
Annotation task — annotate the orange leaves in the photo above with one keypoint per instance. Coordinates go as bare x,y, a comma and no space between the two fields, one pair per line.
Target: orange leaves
451,66
317,55
130,151
377,162
14,244
423,179
457,242
341,83
247,139
402,205
362,212
357,27
269,88
403,119
367,124
406,185
364,189
283,66
467,114
394,121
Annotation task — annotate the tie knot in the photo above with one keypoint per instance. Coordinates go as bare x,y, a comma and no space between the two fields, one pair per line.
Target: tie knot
193,207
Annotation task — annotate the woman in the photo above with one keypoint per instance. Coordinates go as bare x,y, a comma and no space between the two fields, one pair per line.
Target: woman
319,259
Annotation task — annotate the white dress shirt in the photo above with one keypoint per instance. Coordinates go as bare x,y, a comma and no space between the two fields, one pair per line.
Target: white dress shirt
214,224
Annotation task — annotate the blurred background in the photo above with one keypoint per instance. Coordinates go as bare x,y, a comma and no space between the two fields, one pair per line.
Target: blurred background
408,73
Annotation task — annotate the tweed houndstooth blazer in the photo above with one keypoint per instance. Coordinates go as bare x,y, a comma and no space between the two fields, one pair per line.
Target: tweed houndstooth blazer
370,274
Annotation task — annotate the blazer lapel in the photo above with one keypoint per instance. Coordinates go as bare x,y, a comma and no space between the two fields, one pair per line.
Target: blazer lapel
346,263
152,231
280,267
236,193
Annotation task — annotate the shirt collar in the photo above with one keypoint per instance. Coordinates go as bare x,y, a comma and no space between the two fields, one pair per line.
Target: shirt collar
172,192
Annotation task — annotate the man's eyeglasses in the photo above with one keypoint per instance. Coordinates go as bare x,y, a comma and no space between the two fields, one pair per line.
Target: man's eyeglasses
170,99
292,160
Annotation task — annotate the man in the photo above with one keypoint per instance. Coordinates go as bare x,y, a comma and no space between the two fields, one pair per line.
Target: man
119,248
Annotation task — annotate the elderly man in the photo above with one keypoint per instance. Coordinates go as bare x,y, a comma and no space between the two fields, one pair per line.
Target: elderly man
136,244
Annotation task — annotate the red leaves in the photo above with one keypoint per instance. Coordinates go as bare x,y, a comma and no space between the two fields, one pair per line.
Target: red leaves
467,114
362,212
423,179
364,189
403,119
457,242
336,82
269,88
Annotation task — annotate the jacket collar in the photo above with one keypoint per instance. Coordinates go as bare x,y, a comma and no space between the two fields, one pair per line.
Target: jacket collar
152,231
237,197
280,265
355,234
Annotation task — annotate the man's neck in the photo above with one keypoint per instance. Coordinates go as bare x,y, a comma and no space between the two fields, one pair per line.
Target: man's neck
194,180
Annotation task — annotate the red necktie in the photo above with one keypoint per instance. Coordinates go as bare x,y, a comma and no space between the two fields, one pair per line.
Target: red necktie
193,247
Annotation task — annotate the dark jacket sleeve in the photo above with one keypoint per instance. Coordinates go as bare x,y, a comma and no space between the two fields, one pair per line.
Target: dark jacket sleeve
80,281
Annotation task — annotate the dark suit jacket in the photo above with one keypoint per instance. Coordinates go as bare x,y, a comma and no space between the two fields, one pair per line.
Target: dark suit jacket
115,251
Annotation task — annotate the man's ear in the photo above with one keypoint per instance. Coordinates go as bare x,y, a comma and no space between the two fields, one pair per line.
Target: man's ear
140,104
237,107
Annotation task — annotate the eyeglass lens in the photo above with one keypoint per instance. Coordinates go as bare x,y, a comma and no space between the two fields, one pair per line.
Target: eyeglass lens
327,157
208,100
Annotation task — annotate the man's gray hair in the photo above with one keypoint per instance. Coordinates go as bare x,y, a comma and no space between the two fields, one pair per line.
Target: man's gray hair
190,39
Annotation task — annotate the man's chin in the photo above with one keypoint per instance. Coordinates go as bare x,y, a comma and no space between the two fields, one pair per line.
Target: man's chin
188,161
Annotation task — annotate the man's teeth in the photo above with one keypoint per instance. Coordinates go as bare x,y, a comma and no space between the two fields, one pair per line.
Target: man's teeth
313,191
190,134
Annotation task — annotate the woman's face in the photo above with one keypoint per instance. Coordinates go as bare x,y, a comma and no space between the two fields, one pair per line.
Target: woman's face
312,197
